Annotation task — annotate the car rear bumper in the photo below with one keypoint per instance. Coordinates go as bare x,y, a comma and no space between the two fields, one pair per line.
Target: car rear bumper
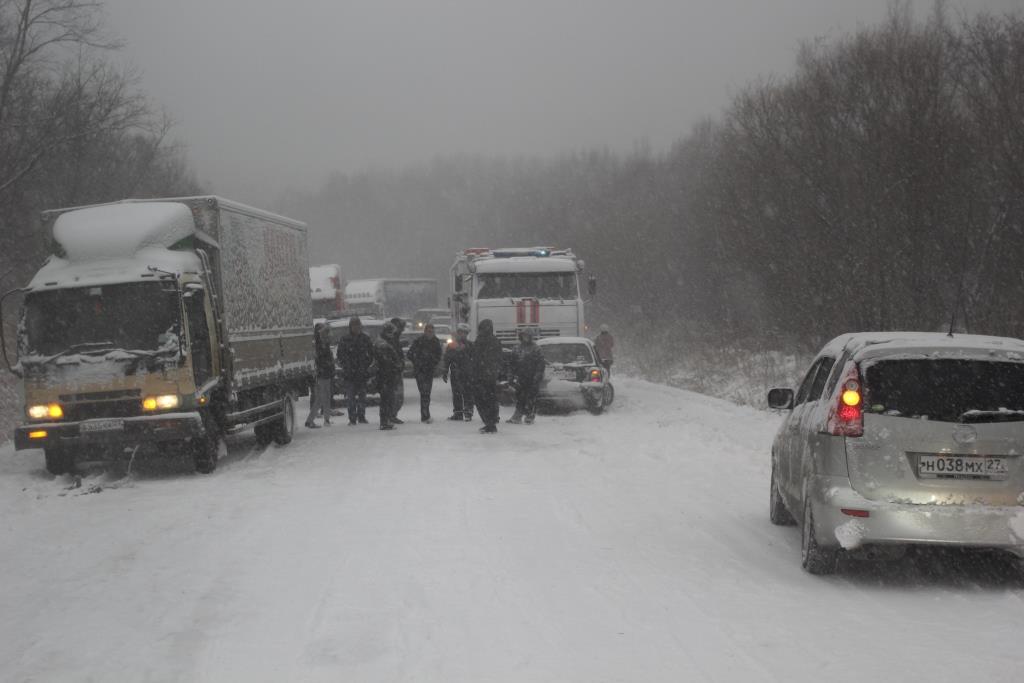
572,394
144,429
967,526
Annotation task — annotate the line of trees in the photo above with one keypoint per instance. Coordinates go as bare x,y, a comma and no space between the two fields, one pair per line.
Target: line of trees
874,188
74,127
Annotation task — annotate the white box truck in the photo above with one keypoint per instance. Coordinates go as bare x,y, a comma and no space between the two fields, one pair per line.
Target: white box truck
169,321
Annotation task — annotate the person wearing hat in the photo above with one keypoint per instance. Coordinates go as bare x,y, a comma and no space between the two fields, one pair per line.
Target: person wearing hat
399,385
457,366
487,360
389,369
603,344
425,354
355,356
529,371
320,396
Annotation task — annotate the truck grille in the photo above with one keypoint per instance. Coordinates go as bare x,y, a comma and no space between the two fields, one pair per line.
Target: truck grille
76,412
101,395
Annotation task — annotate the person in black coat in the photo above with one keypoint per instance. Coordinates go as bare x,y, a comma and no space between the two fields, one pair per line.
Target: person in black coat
529,371
320,397
355,356
425,354
457,362
486,364
389,371
396,342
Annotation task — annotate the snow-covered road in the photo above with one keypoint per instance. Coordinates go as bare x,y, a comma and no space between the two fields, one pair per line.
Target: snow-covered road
632,546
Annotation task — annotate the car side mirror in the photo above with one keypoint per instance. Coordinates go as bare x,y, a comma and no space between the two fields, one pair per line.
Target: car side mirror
780,399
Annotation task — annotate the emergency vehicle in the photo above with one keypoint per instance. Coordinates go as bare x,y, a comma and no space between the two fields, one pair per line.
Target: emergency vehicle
518,288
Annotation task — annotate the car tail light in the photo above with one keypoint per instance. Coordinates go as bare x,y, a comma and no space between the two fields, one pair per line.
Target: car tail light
595,375
846,417
854,512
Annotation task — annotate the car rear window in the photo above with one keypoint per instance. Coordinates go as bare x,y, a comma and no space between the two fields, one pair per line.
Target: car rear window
948,390
567,353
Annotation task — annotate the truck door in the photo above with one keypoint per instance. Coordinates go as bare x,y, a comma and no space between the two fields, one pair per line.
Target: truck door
199,331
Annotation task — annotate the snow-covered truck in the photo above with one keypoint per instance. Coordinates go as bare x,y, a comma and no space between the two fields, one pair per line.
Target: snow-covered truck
518,288
327,291
170,321
390,297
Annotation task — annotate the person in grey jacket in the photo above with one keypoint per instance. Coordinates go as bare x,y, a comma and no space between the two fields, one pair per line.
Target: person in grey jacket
529,372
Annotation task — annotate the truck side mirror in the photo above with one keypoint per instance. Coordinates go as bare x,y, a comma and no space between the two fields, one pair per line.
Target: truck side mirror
592,286
458,283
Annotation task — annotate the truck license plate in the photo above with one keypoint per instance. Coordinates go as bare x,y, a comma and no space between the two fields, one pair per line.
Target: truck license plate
962,467
109,425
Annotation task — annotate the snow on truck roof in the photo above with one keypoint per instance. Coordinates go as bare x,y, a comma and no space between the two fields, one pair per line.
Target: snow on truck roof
117,243
874,345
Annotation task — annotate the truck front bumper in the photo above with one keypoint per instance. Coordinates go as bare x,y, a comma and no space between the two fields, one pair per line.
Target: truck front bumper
128,430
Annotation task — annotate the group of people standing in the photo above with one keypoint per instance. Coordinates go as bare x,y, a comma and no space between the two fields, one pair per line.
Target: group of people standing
473,368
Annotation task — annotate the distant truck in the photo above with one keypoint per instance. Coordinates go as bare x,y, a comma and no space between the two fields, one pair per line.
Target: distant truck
390,297
327,291
535,288
170,321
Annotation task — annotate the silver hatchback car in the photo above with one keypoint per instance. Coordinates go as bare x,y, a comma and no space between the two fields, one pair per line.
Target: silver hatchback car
902,438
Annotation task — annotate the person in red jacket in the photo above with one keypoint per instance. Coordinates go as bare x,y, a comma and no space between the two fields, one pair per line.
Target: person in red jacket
604,344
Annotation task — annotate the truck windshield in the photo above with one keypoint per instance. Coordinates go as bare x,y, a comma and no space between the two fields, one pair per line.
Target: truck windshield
142,316
534,285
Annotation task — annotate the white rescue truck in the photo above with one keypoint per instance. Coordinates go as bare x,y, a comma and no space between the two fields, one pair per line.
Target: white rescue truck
535,288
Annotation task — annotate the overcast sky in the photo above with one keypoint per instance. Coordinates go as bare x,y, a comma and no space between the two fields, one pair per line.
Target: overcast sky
280,93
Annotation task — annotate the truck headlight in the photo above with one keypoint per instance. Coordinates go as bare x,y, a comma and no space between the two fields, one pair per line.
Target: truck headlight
54,411
162,402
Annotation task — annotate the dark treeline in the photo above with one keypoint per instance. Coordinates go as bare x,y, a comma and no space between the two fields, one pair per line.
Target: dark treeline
871,189
74,127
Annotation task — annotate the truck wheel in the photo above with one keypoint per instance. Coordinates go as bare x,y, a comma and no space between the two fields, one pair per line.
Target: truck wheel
264,434
814,558
283,430
777,512
206,448
59,460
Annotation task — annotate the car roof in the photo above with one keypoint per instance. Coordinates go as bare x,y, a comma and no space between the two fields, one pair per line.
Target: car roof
870,345
547,341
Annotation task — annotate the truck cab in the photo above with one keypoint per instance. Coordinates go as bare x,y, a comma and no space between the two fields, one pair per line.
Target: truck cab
535,288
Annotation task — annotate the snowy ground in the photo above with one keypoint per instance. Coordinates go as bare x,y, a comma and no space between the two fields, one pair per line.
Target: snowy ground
633,546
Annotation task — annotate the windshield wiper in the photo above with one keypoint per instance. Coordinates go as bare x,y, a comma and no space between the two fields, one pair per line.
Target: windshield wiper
78,348
1002,415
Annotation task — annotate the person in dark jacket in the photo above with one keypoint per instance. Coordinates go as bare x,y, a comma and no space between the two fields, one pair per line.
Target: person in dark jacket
487,360
457,360
320,397
355,356
389,370
604,344
396,342
425,354
529,371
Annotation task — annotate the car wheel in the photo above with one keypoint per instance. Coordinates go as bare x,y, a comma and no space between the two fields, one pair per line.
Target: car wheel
814,558
777,511
609,395
283,430
595,405
59,460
